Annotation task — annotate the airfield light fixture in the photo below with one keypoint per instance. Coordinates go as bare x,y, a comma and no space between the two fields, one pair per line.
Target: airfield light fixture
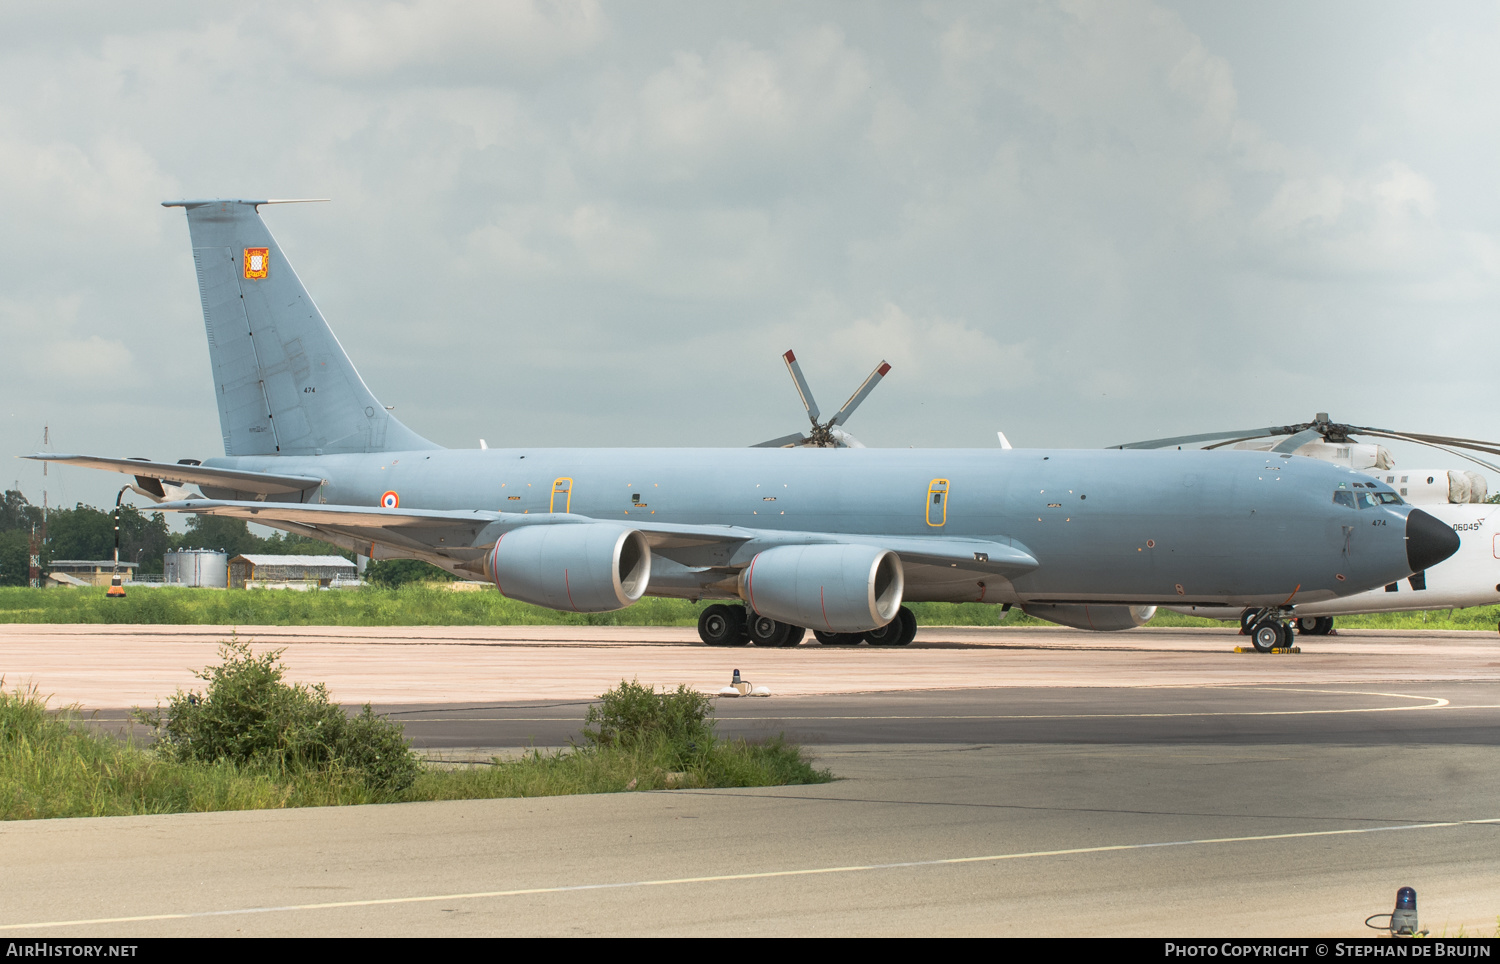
116,584
1403,920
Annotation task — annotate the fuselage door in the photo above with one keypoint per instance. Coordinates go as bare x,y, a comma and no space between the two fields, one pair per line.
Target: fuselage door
937,502
562,496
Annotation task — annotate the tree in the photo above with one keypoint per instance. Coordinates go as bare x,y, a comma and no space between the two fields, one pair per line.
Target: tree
291,544
398,572
18,515
143,539
84,532
219,532
15,564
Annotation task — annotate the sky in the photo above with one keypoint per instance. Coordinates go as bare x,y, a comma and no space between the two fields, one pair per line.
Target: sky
594,224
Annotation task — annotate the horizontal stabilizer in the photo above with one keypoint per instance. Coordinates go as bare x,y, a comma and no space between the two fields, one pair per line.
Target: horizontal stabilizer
240,480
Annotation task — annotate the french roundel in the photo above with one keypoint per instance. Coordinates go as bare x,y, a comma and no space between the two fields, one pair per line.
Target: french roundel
390,500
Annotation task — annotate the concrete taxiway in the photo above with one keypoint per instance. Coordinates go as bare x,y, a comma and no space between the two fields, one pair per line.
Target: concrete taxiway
1011,782
115,666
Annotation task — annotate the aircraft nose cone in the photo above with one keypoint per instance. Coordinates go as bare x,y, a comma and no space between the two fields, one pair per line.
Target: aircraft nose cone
1428,541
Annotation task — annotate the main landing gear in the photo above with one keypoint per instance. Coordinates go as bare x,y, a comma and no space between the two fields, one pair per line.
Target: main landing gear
721,625
1314,625
1266,629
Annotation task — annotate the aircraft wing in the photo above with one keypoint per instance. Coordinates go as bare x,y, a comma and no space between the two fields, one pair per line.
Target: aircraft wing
261,483
347,515
701,545
462,535
443,536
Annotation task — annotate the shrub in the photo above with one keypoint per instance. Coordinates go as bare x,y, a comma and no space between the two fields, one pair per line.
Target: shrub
249,717
632,715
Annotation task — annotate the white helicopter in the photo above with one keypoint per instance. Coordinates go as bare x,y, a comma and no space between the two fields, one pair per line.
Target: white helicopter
1470,577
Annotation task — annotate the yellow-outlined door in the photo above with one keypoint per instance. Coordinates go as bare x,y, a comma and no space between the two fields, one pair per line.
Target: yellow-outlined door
937,502
564,488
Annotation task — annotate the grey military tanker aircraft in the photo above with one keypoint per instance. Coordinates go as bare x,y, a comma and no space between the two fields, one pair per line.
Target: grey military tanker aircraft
828,539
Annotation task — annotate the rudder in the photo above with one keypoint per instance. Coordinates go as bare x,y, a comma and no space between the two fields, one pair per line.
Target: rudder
283,383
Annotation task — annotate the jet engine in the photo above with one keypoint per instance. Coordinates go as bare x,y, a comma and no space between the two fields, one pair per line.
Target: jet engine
833,588
585,568
1103,619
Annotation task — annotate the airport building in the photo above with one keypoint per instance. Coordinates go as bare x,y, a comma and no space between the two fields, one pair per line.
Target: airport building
88,572
291,572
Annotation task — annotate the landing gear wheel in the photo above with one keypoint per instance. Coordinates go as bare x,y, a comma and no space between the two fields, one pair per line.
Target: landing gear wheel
794,636
1314,625
765,631
838,639
898,632
722,626
1247,621
1269,635
908,626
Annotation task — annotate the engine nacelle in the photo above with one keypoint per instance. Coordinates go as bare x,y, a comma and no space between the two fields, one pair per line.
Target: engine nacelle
1101,619
585,568
833,588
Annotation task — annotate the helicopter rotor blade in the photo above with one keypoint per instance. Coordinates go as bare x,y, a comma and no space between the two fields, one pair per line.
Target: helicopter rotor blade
1479,445
785,442
1247,433
860,394
1232,441
1451,451
803,391
1295,442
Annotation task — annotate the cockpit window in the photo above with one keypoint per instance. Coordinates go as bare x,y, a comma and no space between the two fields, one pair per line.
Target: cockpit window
1367,500
1389,498
1344,497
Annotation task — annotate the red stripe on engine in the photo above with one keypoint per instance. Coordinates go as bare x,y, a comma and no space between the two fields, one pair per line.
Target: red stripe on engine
569,590
824,605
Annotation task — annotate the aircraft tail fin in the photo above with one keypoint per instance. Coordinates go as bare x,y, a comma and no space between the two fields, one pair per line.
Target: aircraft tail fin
282,381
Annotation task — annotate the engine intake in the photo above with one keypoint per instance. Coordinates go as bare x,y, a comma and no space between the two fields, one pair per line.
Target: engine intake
1102,619
834,588
583,568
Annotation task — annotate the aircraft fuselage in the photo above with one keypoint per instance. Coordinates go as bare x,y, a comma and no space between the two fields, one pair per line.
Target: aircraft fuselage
1144,527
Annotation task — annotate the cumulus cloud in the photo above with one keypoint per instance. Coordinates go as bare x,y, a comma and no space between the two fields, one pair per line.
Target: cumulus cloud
1081,220
944,356
444,38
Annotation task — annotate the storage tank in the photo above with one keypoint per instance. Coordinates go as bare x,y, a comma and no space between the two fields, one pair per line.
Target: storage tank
196,567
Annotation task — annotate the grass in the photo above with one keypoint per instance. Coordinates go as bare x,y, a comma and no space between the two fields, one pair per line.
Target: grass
52,764
432,605
411,605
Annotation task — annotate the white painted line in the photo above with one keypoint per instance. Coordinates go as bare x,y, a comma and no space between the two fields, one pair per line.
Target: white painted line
722,878
1434,703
